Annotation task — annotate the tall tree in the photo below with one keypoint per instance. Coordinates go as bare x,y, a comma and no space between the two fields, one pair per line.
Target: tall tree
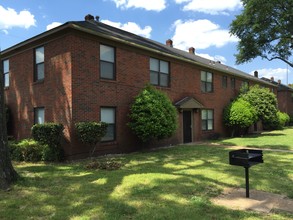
7,172
265,29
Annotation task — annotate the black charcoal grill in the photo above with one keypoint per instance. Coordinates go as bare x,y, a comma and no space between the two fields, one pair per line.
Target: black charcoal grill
246,158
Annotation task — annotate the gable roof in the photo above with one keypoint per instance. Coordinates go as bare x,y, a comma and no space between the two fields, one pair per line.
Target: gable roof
106,31
188,103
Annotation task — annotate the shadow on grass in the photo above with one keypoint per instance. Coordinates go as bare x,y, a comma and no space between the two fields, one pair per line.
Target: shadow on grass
166,184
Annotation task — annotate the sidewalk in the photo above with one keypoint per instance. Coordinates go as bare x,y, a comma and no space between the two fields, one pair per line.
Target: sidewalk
234,198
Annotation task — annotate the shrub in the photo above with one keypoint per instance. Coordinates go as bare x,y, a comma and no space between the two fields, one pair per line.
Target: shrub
239,115
265,104
26,150
32,151
91,133
152,115
48,133
283,119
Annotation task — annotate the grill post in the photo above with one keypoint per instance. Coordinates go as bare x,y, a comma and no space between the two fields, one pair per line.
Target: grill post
247,181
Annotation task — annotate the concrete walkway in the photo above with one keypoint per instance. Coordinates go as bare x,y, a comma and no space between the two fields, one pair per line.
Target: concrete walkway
234,198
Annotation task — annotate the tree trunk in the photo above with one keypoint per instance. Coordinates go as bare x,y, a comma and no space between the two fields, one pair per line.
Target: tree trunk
7,172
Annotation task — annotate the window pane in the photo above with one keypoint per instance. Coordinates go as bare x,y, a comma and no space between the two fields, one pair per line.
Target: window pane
108,115
203,114
210,125
40,55
209,87
40,116
6,80
107,53
164,67
154,78
164,79
154,64
209,77
210,114
203,76
6,66
107,70
40,71
110,135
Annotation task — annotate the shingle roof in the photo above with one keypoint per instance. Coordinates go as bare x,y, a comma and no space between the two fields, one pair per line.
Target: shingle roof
116,34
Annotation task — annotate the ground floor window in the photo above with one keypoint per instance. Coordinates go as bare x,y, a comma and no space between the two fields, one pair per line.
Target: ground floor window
39,115
108,115
207,119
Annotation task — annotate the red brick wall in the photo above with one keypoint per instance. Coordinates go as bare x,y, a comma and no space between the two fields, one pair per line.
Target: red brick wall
285,102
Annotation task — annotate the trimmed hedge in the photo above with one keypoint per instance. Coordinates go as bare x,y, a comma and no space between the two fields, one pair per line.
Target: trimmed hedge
48,133
91,133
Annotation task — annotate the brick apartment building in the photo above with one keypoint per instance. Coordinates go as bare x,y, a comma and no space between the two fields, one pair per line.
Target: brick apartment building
89,71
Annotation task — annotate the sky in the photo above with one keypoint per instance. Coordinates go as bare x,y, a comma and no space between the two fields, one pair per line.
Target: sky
202,24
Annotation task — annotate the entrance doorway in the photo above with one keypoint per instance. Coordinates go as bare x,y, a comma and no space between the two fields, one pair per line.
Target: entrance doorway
187,127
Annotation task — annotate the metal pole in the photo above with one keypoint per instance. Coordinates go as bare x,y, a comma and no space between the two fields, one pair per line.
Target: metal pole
247,181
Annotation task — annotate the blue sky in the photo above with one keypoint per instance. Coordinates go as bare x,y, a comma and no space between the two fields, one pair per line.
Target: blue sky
202,24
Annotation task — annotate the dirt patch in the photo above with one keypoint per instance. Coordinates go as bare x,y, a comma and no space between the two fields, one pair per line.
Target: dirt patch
234,198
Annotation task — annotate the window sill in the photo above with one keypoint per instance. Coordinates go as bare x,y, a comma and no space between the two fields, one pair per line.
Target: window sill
38,82
6,88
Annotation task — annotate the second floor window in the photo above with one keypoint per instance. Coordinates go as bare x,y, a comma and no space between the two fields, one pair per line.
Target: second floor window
6,72
107,62
224,81
39,115
39,64
206,81
159,72
233,83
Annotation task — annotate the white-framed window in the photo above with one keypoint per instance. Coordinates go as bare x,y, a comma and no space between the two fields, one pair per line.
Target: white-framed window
6,73
206,81
207,119
107,62
159,72
108,115
39,115
39,73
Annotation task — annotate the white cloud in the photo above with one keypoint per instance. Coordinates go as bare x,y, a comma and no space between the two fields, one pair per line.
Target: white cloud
149,5
200,34
278,73
213,7
131,27
10,18
53,25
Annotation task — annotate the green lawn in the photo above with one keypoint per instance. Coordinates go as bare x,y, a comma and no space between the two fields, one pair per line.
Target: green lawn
280,139
174,183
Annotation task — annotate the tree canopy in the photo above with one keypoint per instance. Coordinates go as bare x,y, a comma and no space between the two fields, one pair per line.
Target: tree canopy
265,29
153,115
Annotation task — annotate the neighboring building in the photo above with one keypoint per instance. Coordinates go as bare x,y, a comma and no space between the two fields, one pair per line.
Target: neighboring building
89,71
284,96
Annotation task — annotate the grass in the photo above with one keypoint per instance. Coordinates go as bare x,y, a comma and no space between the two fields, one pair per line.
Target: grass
174,183
280,139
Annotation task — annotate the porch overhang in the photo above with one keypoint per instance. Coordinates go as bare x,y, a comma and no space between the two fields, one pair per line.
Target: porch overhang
188,103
